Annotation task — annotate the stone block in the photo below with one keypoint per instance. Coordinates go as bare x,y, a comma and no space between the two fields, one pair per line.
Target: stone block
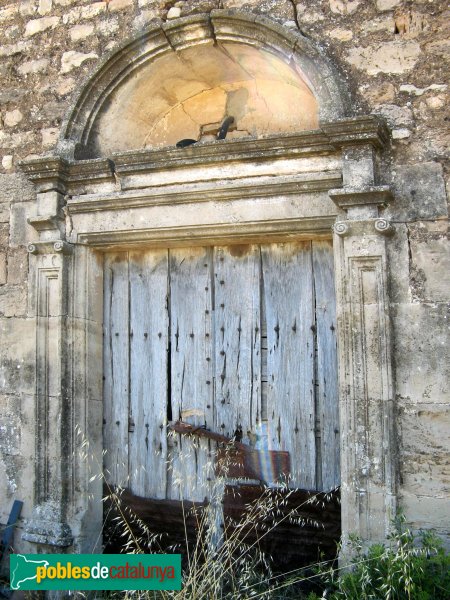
66,86
9,436
4,234
36,26
401,134
21,233
48,203
430,261
13,49
385,23
390,57
8,162
17,364
419,192
421,338
426,511
8,12
4,212
383,5
44,7
92,10
49,136
11,94
2,267
13,303
344,7
81,32
174,13
398,266
15,187
72,16
17,265
13,117
342,35
71,60
109,26
396,115
33,66
415,91
423,429
27,8
116,5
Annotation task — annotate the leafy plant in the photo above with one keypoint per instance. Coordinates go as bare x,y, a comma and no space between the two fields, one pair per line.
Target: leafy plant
409,568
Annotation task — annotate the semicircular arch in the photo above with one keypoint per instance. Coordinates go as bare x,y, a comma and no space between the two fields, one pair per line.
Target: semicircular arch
181,78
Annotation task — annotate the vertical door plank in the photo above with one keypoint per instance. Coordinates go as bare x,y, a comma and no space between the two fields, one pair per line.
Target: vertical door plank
288,296
327,389
149,328
237,341
116,372
191,367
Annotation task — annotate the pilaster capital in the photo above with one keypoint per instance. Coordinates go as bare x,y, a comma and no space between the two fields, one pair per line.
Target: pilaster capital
363,227
50,247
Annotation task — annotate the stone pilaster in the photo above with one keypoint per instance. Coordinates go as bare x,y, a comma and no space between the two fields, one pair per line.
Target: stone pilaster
50,266
368,451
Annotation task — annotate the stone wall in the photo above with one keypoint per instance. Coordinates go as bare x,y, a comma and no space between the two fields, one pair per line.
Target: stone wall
394,57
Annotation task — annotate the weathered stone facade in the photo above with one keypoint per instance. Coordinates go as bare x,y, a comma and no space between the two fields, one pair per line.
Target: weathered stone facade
391,59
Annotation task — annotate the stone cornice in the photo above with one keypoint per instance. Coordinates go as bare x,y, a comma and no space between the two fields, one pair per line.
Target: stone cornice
58,173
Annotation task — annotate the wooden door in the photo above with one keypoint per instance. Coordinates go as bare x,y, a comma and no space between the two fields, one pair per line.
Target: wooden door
240,339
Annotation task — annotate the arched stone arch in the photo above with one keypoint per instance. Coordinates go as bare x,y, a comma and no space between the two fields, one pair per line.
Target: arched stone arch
215,51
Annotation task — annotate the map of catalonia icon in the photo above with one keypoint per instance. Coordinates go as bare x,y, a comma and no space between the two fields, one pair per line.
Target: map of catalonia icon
24,570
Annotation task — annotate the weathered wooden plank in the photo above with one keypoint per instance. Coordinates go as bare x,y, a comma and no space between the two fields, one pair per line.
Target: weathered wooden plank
192,359
116,372
237,341
288,296
327,377
149,327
